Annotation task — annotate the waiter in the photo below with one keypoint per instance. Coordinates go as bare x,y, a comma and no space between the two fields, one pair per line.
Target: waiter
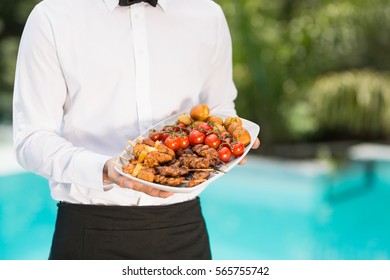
92,74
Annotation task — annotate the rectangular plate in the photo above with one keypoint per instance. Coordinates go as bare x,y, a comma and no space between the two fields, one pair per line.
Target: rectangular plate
252,128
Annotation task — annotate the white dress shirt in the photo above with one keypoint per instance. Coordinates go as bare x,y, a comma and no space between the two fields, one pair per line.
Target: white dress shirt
91,75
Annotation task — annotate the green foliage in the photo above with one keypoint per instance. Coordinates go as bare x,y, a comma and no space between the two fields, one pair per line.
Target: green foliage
282,47
352,103
13,15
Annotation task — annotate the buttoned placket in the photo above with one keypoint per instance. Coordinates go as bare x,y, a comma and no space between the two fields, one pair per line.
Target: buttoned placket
142,76
141,58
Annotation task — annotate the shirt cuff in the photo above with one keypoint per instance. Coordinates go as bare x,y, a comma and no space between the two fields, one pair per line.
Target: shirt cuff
88,169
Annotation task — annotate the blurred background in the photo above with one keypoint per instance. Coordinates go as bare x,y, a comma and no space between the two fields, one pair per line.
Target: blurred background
315,76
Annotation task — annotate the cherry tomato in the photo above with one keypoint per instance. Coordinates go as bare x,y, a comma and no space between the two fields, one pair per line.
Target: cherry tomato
182,128
164,136
224,154
177,127
205,127
155,135
226,142
196,137
182,125
224,135
212,141
172,142
184,142
238,149
167,128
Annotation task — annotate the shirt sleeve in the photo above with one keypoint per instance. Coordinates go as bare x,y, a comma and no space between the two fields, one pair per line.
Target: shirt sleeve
219,90
40,92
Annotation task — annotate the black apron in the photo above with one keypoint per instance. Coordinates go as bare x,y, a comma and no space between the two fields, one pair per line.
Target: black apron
97,232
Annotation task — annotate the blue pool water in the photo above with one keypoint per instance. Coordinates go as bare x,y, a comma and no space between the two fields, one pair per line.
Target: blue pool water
262,210
27,215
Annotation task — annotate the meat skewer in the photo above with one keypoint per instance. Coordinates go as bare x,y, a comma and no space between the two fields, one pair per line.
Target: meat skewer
154,162
208,169
193,183
168,181
205,151
198,175
156,158
195,162
172,171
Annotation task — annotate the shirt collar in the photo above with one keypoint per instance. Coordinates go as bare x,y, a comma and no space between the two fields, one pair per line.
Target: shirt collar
111,4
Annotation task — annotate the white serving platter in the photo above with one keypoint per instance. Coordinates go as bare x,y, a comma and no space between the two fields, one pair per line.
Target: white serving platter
252,128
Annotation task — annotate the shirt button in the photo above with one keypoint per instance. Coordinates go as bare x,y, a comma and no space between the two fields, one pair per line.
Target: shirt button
138,15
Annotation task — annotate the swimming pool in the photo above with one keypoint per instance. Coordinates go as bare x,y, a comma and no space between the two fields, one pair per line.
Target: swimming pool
272,210
266,209
27,216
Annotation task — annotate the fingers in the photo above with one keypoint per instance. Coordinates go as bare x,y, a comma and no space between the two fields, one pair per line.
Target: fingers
129,184
256,144
150,190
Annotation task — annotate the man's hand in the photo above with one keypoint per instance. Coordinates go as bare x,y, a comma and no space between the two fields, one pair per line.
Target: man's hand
256,145
110,175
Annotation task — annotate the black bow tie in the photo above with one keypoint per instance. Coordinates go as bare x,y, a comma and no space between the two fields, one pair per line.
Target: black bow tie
131,2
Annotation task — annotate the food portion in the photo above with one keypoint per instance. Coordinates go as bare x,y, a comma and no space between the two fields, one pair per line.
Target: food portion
188,151
154,162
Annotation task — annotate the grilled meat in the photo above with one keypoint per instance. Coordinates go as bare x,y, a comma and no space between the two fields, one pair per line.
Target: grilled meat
205,151
156,158
165,150
193,183
172,170
155,162
146,174
196,162
200,175
149,142
129,168
168,181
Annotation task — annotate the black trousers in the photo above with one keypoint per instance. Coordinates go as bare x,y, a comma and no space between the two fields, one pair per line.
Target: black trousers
97,232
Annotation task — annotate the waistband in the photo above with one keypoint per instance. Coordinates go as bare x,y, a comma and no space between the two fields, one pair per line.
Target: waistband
131,217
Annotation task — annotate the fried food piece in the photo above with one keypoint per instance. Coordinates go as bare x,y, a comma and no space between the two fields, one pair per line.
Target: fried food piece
129,168
165,150
168,181
150,160
172,170
156,158
200,175
138,170
197,178
152,155
242,135
193,182
193,161
139,148
149,142
205,151
146,174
